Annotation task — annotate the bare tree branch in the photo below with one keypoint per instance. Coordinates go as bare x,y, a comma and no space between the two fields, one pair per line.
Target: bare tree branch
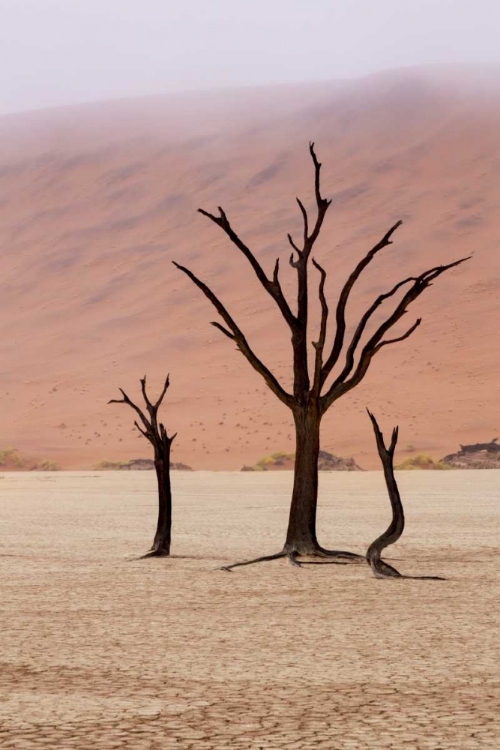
223,330
127,400
344,296
404,336
276,280
351,350
146,435
274,290
319,345
162,394
426,278
321,203
145,395
151,431
305,219
239,338
375,343
294,246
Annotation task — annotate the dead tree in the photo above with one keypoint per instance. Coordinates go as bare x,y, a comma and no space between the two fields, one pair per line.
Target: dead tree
157,435
312,394
395,529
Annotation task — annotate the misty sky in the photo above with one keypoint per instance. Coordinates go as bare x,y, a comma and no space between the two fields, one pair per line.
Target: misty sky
56,52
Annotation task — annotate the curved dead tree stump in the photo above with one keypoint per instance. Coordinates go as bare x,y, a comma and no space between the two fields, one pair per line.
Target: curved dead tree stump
156,433
395,529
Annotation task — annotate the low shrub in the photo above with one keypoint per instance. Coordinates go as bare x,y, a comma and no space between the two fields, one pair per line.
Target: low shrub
11,457
421,462
48,465
106,465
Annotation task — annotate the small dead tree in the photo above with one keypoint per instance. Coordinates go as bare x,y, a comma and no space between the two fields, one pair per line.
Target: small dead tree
395,529
156,433
312,395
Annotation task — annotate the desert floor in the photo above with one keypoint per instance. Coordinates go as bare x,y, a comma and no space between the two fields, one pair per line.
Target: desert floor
101,650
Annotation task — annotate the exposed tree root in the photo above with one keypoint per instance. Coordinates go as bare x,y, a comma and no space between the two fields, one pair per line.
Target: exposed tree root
343,558
325,562
339,555
154,552
265,558
381,569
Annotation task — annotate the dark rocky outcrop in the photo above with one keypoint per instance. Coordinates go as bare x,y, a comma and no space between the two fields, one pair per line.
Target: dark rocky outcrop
329,462
475,456
285,462
147,464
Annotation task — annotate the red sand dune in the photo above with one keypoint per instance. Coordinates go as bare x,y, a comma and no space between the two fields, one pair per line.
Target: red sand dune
97,200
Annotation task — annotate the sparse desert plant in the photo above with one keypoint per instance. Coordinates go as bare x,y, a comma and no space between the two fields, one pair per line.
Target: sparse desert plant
48,465
275,459
11,457
314,391
106,465
422,461
410,448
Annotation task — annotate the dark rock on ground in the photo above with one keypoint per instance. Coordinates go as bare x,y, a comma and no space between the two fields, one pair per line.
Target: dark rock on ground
147,464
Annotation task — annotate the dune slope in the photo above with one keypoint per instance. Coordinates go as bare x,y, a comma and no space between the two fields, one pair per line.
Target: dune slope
97,200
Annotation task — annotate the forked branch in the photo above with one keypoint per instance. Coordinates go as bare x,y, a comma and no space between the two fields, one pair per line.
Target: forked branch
340,320
234,333
272,286
322,205
153,431
340,385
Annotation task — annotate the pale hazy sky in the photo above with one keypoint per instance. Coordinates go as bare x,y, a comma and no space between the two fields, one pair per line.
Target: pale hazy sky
56,52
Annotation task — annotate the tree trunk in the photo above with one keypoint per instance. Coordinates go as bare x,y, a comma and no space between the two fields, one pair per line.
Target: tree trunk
380,568
161,544
301,535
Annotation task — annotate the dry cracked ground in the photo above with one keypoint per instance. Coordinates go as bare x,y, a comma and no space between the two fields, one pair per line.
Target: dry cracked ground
101,650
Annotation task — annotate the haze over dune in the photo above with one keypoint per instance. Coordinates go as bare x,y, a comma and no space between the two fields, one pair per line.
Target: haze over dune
97,200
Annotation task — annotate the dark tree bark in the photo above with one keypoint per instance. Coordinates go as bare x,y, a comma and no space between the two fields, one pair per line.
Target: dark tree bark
395,529
156,433
311,394
397,525
301,534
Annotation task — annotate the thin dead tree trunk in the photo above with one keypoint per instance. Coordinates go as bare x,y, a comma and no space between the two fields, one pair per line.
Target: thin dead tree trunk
395,529
311,394
156,433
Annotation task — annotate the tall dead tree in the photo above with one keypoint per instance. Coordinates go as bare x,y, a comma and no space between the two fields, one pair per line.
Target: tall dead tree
156,433
312,394
395,529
